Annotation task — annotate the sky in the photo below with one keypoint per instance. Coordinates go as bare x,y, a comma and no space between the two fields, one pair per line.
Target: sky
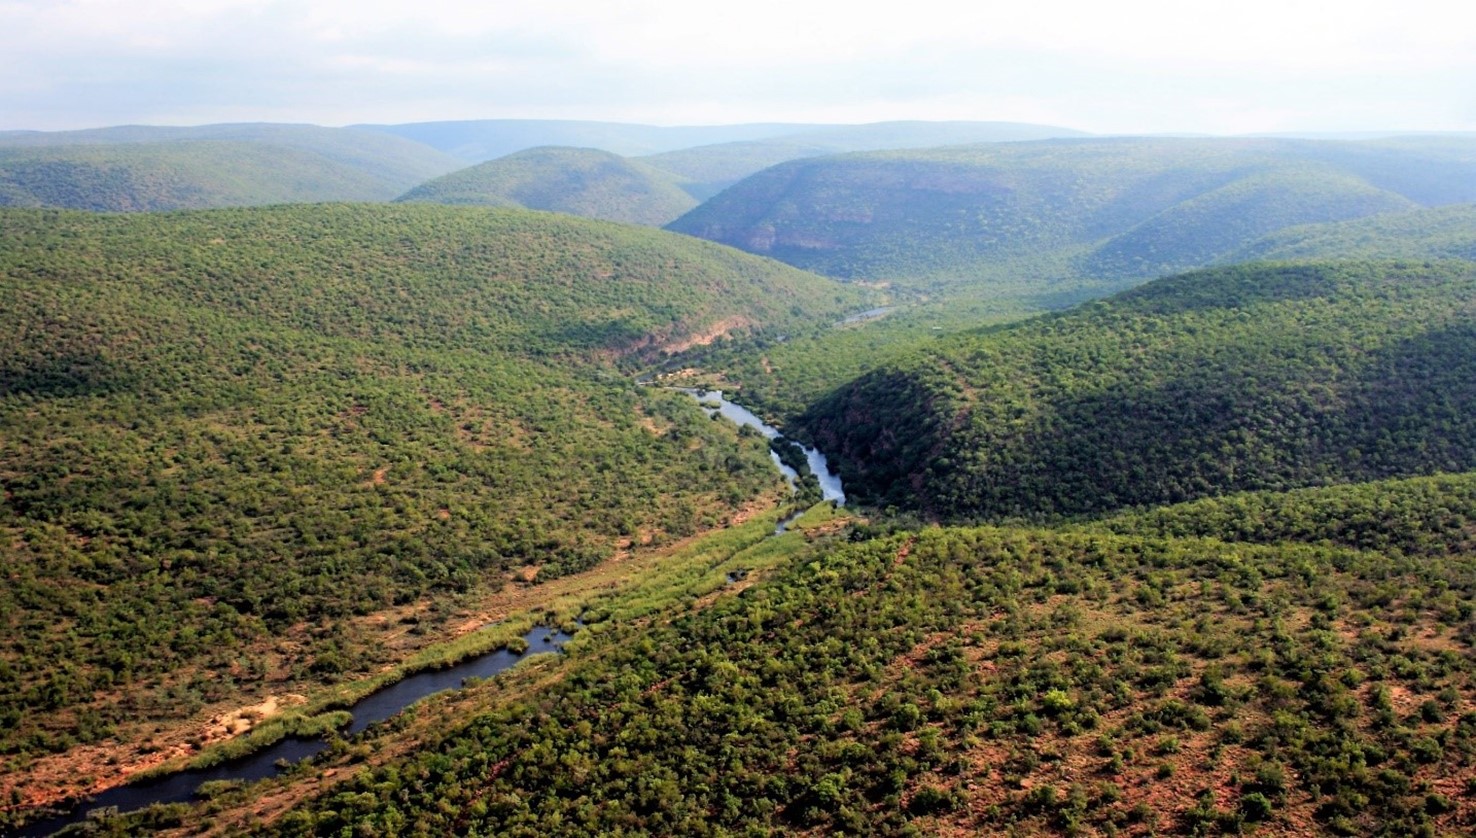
1126,66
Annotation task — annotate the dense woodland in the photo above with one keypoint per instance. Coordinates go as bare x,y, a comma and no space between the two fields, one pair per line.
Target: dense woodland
1003,680
1253,377
217,426
1198,558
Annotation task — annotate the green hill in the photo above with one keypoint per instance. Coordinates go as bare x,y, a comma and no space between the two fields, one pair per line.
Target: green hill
1030,220
146,168
227,436
1253,377
1440,233
983,681
578,181
709,169
1420,516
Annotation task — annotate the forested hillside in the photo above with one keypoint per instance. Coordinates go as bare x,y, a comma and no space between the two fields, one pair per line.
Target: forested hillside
1252,377
1198,558
226,436
1440,233
578,181
994,681
709,169
1032,219
143,168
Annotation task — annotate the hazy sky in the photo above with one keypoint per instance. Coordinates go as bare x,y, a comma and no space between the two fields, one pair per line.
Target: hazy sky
1223,66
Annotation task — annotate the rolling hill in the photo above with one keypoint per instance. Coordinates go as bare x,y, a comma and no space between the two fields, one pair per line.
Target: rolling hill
1441,233
1028,219
1243,378
710,169
578,181
984,681
478,140
148,168
239,446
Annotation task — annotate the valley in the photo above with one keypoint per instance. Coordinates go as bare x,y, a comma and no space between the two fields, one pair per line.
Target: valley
907,478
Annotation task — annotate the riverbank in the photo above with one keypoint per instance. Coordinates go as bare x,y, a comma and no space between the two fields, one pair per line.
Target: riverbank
618,598
624,590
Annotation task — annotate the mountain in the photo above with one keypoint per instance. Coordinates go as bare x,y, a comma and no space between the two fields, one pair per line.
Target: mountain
1441,233
239,448
1028,219
578,181
478,140
136,168
710,169
1260,377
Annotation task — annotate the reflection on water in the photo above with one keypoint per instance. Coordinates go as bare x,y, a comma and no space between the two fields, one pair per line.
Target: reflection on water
830,485
376,707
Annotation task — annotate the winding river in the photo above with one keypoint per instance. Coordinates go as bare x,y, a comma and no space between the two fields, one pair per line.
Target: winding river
830,485
375,707
181,786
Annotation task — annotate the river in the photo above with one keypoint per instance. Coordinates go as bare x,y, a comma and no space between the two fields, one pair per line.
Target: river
376,707
830,485
181,785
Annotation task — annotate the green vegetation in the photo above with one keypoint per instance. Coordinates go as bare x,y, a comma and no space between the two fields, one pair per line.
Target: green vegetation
1422,516
1244,378
988,681
226,435
1041,223
709,169
1440,233
578,181
138,169
1226,583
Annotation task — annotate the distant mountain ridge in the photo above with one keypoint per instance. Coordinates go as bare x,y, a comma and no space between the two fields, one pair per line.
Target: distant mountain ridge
579,181
133,168
485,139
1027,214
712,168
139,167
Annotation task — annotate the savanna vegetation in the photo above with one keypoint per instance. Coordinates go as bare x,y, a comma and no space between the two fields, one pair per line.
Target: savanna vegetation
1241,378
1000,680
226,436
1196,559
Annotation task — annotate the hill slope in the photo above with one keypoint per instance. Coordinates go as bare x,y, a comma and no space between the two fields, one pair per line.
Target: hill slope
1439,233
985,681
709,169
578,181
1019,218
1254,377
228,437
146,168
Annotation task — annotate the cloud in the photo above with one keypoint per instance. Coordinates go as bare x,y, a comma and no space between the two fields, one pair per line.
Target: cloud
1148,65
